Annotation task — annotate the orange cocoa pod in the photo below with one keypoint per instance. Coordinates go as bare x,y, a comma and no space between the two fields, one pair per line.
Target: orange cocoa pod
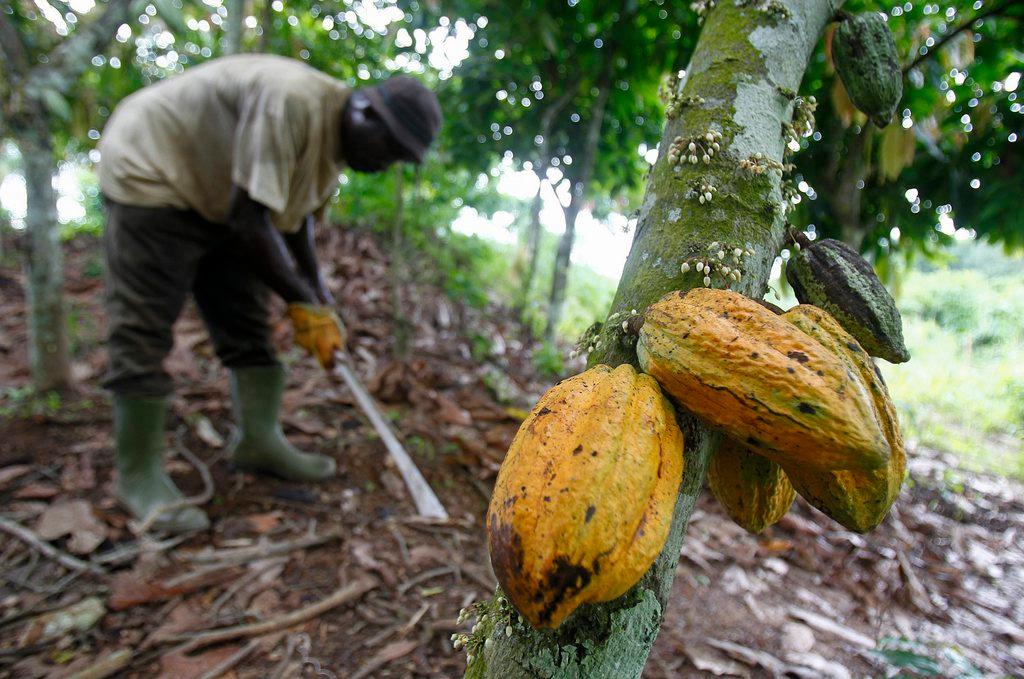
584,498
858,500
753,490
761,380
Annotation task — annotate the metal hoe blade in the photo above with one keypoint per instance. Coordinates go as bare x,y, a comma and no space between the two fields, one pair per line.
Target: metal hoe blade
423,496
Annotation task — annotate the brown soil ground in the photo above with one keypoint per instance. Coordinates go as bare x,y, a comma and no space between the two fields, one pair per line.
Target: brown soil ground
937,590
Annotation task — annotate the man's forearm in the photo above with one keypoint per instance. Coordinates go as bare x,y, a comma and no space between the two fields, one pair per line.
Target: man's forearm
268,255
303,249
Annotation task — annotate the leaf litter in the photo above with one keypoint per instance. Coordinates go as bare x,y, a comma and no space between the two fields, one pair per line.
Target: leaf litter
938,587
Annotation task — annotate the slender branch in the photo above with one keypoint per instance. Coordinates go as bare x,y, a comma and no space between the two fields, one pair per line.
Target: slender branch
69,59
12,49
350,592
992,11
46,549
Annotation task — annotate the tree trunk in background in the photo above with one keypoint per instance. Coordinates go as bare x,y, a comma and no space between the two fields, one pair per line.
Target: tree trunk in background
846,197
47,325
741,61
560,276
578,193
234,26
30,80
532,245
541,165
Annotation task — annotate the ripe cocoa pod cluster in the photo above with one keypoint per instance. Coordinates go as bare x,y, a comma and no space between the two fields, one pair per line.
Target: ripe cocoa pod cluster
865,58
584,498
801,404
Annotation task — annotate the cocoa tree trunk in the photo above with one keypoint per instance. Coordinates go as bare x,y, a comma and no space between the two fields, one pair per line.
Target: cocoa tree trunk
742,60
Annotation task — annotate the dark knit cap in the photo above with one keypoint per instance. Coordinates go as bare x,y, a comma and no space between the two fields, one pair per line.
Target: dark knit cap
411,112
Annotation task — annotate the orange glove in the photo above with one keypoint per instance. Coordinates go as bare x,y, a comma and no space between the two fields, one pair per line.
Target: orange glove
318,330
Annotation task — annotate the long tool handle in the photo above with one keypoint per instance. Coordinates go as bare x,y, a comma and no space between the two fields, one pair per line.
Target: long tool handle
423,496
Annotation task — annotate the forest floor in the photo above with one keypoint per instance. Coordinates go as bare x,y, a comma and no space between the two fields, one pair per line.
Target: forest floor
936,590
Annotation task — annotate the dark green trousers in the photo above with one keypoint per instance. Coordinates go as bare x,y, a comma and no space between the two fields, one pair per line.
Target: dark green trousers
155,257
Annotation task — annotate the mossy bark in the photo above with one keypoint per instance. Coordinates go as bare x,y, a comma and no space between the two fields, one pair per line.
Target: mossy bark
749,56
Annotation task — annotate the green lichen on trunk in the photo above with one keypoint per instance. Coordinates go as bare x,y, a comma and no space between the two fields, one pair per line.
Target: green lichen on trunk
745,63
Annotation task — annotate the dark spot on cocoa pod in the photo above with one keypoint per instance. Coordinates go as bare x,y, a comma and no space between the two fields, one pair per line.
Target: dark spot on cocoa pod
798,356
806,408
578,449
563,580
590,513
506,553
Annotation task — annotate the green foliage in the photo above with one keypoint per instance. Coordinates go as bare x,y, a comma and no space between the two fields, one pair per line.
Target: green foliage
960,155
915,659
963,390
26,402
548,360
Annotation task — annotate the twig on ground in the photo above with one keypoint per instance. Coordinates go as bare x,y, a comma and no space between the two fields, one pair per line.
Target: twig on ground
38,544
414,620
262,550
286,658
403,549
194,501
350,592
228,663
107,666
423,577
247,579
124,553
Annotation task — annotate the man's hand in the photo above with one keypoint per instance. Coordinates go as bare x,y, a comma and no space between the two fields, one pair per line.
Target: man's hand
318,330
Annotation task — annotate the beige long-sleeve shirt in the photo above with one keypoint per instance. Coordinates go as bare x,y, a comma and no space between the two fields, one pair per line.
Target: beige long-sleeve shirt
268,124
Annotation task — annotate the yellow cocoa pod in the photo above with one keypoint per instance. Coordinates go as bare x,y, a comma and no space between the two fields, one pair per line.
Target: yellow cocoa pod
858,500
761,380
753,490
584,498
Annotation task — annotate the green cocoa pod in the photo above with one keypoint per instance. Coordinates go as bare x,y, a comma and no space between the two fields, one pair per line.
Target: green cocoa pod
832,276
865,58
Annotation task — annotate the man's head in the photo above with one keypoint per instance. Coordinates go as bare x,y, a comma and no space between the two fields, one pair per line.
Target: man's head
394,121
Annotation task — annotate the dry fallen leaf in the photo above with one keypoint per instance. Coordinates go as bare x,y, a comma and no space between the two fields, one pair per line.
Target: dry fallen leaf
75,518
264,523
177,665
78,617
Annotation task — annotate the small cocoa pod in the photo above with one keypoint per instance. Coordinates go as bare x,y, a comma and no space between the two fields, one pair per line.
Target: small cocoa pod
858,500
864,54
753,490
584,498
760,380
832,275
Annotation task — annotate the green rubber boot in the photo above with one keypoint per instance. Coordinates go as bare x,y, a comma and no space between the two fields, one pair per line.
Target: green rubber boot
260,444
142,483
